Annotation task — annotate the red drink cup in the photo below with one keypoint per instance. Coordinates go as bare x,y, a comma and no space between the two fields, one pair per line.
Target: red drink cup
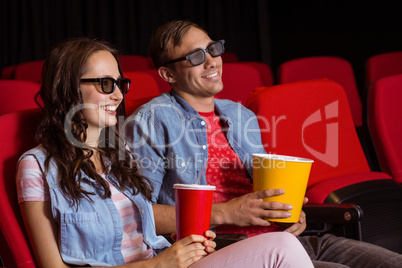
193,208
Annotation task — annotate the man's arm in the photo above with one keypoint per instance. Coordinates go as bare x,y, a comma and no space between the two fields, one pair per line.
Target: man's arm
249,209
165,219
242,211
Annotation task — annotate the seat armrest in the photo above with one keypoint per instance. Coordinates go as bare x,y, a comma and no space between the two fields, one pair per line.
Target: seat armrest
333,213
338,219
223,240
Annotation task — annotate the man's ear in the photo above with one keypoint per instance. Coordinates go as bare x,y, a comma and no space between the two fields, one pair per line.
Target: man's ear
166,74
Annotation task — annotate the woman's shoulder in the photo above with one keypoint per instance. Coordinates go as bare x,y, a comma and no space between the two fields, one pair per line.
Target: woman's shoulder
38,152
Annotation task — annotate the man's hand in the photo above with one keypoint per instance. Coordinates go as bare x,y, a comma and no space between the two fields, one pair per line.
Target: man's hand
298,227
250,209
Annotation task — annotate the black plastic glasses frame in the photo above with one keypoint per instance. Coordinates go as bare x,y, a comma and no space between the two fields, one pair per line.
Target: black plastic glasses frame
122,83
188,57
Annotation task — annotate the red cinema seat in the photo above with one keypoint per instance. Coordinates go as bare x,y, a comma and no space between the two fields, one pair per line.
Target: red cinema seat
31,71
239,79
264,70
17,95
8,72
129,63
229,57
385,123
332,68
16,134
312,119
142,85
383,65
163,86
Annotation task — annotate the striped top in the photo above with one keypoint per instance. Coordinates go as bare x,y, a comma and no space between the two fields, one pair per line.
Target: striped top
31,186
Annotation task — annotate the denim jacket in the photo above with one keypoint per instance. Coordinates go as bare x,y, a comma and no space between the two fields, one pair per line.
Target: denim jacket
169,139
92,233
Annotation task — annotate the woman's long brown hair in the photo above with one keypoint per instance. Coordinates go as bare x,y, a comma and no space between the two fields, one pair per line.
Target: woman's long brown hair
59,94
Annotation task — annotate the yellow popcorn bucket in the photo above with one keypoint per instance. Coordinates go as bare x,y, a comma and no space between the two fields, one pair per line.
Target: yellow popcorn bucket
289,173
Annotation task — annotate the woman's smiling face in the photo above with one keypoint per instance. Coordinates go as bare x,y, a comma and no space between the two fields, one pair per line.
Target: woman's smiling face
100,108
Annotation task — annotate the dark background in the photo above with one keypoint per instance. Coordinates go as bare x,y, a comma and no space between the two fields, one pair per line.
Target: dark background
268,31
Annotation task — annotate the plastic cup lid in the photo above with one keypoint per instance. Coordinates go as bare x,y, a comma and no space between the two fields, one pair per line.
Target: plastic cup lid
194,187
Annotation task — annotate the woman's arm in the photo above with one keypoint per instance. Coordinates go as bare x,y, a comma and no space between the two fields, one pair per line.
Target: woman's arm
42,233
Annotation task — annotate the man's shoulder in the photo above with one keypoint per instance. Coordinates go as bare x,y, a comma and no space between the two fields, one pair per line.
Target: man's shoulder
163,98
160,108
161,101
228,106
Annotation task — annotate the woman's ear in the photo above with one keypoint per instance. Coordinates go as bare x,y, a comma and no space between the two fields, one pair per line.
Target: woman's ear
166,74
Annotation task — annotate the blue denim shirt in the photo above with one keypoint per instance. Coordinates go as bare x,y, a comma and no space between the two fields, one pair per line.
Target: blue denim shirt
92,234
169,139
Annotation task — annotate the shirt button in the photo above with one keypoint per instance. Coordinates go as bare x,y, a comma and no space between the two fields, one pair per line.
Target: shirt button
142,211
182,164
203,123
146,239
204,147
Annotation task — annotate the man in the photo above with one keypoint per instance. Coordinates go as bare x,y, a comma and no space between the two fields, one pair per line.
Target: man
179,135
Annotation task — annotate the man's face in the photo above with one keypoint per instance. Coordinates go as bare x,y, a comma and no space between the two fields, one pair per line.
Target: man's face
204,80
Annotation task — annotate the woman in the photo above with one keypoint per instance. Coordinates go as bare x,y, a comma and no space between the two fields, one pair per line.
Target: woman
81,198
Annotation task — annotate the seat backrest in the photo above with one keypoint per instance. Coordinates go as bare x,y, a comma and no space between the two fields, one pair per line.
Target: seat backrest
310,119
385,123
129,63
229,57
333,68
162,84
239,79
383,65
264,70
17,95
142,85
31,71
16,132
8,72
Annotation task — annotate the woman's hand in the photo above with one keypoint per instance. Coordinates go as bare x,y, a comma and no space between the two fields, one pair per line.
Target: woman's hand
209,244
185,252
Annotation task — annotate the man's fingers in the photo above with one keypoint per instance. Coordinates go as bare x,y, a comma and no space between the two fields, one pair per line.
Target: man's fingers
268,193
276,206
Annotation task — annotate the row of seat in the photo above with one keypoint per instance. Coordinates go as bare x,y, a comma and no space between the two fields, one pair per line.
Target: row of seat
32,70
377,66
239,79
334,68
309,119
312,119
